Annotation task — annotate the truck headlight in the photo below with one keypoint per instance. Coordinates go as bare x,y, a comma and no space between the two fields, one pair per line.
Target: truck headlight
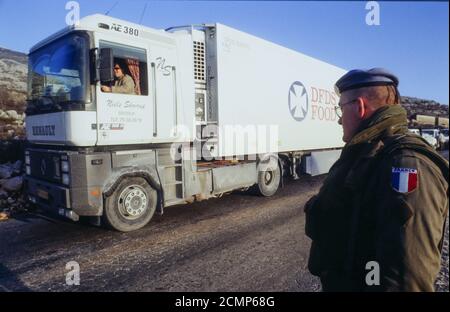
65,166
28,170
65,179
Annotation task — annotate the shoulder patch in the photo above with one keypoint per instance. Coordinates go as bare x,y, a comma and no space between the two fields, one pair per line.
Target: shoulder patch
404,180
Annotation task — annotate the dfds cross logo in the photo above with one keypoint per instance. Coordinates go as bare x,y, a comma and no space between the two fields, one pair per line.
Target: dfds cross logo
298,101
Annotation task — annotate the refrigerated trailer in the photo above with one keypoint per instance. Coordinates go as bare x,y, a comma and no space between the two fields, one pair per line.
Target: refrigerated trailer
211,109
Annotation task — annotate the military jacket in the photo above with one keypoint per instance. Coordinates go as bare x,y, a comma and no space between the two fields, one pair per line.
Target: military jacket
384,200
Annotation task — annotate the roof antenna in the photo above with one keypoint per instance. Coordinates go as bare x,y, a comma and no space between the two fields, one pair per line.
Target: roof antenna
143,12
107,12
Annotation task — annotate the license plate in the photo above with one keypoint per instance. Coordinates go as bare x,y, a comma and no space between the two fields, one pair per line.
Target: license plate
42,194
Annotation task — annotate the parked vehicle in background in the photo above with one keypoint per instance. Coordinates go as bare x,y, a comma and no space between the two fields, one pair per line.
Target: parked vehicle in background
435,137
430,139
443,138
434,133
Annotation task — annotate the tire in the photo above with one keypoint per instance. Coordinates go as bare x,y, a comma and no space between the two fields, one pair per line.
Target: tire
131,206
268,179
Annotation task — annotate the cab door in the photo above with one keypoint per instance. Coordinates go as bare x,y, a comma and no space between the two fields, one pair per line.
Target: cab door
124,115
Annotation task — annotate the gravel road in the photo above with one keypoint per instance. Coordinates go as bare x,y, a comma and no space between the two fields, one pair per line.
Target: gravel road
240,242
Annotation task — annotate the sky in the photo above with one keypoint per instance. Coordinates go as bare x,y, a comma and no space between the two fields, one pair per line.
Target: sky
411,40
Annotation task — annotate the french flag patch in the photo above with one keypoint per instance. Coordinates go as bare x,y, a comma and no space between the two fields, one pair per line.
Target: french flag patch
404,180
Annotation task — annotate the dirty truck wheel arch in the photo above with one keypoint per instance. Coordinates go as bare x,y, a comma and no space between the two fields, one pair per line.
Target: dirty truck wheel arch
149,174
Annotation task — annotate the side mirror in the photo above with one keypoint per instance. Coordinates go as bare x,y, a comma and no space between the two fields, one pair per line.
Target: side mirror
106,65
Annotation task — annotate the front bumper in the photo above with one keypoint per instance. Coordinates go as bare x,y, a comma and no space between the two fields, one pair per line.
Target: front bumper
82,196
52,198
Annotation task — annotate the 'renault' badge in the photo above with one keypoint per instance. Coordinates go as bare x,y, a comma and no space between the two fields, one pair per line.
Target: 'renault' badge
404,180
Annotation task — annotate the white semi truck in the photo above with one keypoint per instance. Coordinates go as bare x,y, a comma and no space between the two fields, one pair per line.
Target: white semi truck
213,110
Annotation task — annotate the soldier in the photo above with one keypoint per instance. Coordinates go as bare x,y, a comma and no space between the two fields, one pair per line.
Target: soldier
122,84
377,223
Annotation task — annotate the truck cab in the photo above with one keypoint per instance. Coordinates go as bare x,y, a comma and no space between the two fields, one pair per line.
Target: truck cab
83,140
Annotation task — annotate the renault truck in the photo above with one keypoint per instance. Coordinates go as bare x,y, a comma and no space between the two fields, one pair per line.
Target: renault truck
211,110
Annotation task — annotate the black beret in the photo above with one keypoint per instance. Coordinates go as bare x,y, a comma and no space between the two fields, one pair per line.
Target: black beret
358,78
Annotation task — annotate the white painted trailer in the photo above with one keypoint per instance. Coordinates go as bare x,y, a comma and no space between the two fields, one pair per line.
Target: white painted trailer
261,83
209,108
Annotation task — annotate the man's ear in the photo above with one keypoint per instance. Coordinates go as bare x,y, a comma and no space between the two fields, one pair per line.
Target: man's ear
360,103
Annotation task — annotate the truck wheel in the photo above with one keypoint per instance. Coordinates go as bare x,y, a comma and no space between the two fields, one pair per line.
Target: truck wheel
131,205
269,180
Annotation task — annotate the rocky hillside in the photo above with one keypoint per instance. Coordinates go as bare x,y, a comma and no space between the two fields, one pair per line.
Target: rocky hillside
13,80
424,107
13,86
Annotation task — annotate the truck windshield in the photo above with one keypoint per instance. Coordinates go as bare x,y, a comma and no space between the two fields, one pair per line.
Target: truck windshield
58,73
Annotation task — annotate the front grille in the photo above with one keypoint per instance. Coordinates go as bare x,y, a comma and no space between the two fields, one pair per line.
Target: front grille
46,166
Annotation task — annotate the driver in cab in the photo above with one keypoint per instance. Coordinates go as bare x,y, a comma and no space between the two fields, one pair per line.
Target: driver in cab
122,84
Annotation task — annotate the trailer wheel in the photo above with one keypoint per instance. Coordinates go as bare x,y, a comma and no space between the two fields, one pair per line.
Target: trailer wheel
131,205
269,178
